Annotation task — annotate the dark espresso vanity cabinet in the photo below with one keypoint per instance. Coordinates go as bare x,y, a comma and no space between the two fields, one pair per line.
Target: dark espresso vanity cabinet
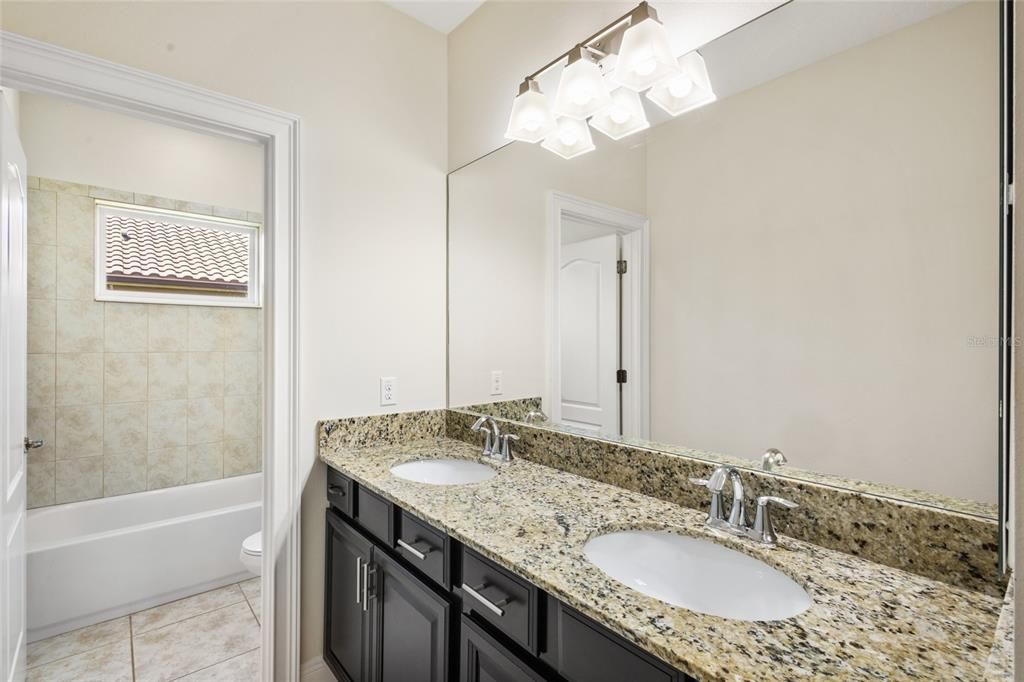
404,602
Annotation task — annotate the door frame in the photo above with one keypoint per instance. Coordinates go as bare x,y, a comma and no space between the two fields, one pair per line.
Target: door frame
33,66
636,323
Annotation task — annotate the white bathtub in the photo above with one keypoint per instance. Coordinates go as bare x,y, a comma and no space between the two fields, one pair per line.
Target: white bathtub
95,560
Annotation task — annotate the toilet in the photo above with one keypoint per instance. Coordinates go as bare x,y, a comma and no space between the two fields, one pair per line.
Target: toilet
252,553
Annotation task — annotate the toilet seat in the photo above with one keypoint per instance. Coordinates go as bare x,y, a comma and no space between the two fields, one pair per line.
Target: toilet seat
251,554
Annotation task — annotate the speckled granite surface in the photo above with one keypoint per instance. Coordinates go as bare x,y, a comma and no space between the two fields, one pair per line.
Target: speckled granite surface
515,410
957,548
868,621
381,428
1000,660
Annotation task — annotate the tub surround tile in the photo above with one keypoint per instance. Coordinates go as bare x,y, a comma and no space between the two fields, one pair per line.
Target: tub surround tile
42,325
957,548
868,621
241,457
42,425
167,467
75,272
240,417
237,669
42,271
205,462
41,483
124,472
125,377
112,195
168,376
124,428
154,201
42,388
205,420
125,328
79,378
179,610
193,207
199,642
203,329
206,374
167,422
75,219
79,479
168,328
64,187
79,431
111,663
79,326
42,217
240,370
78,641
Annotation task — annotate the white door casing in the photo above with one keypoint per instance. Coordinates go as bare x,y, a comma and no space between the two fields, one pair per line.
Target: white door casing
13,396
588,299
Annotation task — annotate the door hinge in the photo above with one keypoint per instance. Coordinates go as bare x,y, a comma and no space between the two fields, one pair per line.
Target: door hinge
620,376
620,267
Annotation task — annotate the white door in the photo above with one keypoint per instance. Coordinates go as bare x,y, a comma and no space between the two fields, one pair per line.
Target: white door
588,324
13,368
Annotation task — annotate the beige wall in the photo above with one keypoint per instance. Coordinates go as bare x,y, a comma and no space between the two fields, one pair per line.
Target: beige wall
372,262
128,397
498,259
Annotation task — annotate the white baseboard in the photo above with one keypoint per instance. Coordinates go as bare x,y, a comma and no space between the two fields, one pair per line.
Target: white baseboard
315,670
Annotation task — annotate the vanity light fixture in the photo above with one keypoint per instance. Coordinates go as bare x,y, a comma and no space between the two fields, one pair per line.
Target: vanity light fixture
570,140
623,116
688,90
645,56
531,119
582,91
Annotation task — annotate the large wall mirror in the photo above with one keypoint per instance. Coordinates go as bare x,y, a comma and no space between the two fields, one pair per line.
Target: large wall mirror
810,263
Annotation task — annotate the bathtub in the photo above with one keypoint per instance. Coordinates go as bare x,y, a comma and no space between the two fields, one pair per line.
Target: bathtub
95,560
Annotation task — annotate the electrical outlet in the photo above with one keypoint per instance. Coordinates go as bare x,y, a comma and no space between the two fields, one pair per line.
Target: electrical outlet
388,394
496,381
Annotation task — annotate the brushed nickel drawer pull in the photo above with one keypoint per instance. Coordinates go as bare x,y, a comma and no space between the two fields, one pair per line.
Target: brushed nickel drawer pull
411,549
494,607
366,582
336,490
359,590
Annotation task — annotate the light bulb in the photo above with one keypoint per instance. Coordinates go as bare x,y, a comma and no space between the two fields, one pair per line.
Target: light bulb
624,116
532,123
681,86
568,137
571,140
688,90
531,119
645,55
646,67
581,96
619,115
582,91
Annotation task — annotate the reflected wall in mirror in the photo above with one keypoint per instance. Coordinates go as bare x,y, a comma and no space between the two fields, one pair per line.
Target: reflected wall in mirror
811,263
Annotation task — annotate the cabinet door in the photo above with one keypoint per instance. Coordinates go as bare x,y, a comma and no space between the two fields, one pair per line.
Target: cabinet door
484,659
347,633
413,624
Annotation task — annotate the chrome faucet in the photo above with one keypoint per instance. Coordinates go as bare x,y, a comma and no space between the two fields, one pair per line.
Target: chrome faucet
772,458
536,416
496,444
481,425
763,530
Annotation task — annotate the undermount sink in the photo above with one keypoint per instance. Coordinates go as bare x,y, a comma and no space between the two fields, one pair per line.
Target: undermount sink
444,471
698,575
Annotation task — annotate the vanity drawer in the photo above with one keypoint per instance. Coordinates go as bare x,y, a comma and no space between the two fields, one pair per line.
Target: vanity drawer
375,515
501,598
339,491
424,547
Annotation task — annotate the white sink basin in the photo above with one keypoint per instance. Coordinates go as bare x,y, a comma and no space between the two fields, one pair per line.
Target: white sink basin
698,575
444,471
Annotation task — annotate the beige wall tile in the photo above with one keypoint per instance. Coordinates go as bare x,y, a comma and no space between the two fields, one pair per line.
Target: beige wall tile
75,220
42,217
193,207
124,472
124,428
79,431
63,186
126,327
167,467
79,479
79,327
42,425
168,376
167,424
206,375
240,457
205,420
240,417
168,327
75,266
238,329
41,483
112,194
205,462
42,325
233,213
79,378
254,217
32,182
203,329
125,377
42,271
153,201
41,380
240,373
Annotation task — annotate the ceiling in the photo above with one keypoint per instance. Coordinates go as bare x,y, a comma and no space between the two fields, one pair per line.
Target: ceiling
440,16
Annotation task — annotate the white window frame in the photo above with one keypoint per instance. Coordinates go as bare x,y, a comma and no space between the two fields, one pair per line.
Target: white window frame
181,296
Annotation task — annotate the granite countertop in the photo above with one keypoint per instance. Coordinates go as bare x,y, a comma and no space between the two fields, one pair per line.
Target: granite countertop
868,621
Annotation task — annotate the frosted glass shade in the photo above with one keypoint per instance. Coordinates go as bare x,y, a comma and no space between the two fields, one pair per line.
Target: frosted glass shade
645,56
531,119
688,90
582,91
623,116
571,139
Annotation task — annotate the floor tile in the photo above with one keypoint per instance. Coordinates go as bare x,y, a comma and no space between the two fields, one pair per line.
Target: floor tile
111,663
244,668
252,590
196,643
78,641
166,614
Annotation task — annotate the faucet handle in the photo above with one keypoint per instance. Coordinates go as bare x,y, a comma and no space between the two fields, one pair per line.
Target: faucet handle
764,530
764,500
505,449
699,481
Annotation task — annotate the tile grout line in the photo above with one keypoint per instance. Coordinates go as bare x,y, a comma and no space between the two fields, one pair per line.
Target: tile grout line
204,613
131,642
207,667
83,651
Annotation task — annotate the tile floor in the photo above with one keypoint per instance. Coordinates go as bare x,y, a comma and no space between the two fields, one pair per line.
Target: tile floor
208,637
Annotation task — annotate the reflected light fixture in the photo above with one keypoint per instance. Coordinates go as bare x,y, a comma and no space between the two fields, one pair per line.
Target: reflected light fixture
645,56
531,119
686,91
582,91
571,139
623,116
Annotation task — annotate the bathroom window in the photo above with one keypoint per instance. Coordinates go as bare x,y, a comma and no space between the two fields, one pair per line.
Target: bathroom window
150,255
